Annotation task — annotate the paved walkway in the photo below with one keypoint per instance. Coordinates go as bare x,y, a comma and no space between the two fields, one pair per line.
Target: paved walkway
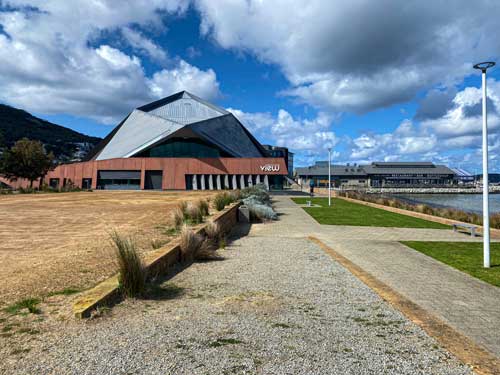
467,304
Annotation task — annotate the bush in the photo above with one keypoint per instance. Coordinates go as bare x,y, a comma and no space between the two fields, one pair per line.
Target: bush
207,250
28,190
223,199
182,206
203,207
193,214
213,231
258,210
220,201
177,217
190,243
258,191
132,273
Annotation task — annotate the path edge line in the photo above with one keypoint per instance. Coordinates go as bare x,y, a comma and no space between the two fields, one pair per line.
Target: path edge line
466,350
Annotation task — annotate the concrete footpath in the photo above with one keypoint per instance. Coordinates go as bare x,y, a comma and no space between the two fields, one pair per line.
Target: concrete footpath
468,305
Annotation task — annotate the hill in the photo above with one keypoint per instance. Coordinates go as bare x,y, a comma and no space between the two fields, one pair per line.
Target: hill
66,144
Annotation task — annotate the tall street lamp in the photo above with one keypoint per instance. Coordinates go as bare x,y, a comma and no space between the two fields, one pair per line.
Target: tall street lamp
329,176
486,209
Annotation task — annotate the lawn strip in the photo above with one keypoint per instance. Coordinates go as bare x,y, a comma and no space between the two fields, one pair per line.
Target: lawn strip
343,212
464,256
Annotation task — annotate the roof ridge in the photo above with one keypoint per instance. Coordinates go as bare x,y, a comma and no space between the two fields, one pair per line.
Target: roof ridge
180,95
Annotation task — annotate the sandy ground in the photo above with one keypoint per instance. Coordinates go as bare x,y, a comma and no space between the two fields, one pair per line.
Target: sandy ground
49,242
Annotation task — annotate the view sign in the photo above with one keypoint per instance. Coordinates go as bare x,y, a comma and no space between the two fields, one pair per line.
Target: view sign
270,168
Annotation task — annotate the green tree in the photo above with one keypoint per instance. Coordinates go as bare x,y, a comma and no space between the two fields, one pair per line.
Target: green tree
26,159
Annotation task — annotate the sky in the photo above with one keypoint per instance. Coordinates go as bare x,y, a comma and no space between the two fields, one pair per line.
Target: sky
374,80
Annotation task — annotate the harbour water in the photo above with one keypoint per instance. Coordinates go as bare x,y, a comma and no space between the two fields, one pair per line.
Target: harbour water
465,202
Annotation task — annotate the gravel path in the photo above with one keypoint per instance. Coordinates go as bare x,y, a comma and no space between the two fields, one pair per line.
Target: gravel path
271,307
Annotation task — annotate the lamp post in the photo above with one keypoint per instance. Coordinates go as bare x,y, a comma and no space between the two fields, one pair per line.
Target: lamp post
486,209
329,176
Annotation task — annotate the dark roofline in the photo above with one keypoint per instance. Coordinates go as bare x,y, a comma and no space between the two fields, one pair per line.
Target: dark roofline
262,150
385,164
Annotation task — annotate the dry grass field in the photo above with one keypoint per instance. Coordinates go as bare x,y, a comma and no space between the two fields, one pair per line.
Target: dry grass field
49,242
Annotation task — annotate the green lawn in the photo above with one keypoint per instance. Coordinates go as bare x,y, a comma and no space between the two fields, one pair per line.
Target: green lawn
347,213
464,256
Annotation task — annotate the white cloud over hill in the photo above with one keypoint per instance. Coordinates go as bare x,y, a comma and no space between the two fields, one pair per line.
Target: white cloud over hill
52,59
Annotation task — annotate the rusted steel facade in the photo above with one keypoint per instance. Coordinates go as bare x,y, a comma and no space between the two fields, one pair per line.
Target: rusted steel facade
174,171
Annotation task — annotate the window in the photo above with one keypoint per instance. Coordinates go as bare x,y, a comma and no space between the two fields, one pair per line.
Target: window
54,183
119,180
86,183
184,148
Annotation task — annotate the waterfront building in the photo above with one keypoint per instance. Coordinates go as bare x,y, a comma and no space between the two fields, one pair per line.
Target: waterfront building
180,142
378,174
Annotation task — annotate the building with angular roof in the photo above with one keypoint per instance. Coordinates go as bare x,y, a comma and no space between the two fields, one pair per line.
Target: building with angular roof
179,142
380,174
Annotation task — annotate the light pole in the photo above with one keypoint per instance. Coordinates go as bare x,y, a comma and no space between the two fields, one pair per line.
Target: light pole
329,176
486,209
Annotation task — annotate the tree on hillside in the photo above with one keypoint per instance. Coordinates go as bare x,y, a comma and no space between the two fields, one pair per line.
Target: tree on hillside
26,159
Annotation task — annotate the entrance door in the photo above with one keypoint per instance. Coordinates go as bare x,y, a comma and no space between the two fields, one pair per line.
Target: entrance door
153,180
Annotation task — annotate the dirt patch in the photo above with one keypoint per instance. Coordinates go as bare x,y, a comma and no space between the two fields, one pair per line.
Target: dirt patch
55,241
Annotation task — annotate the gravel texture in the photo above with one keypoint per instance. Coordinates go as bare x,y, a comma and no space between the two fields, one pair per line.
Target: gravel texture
272,306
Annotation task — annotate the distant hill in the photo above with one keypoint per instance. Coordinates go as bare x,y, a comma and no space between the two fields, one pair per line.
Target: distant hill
66,144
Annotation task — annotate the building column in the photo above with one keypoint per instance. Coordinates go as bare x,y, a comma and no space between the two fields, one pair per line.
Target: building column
202,182
266,181
250,180
195,182
242,181
235,184
226,181
210,182
258,179
218,182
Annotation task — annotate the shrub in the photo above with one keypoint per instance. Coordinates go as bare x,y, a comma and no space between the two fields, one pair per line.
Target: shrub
258,191
213,231
193,214
203,207
223,199
177,217
182,206
190,243
28,190
132,273
207,250
220,201
258,210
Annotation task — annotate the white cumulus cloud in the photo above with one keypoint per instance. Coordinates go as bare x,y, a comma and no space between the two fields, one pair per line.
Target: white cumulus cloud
359,55
53,59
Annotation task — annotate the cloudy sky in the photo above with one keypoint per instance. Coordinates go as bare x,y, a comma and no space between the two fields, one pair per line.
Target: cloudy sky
376,80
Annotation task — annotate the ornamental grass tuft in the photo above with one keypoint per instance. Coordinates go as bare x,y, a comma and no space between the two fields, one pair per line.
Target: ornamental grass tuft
131,271
190,243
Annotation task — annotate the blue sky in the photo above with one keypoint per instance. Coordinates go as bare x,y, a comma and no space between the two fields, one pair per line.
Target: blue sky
391,82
